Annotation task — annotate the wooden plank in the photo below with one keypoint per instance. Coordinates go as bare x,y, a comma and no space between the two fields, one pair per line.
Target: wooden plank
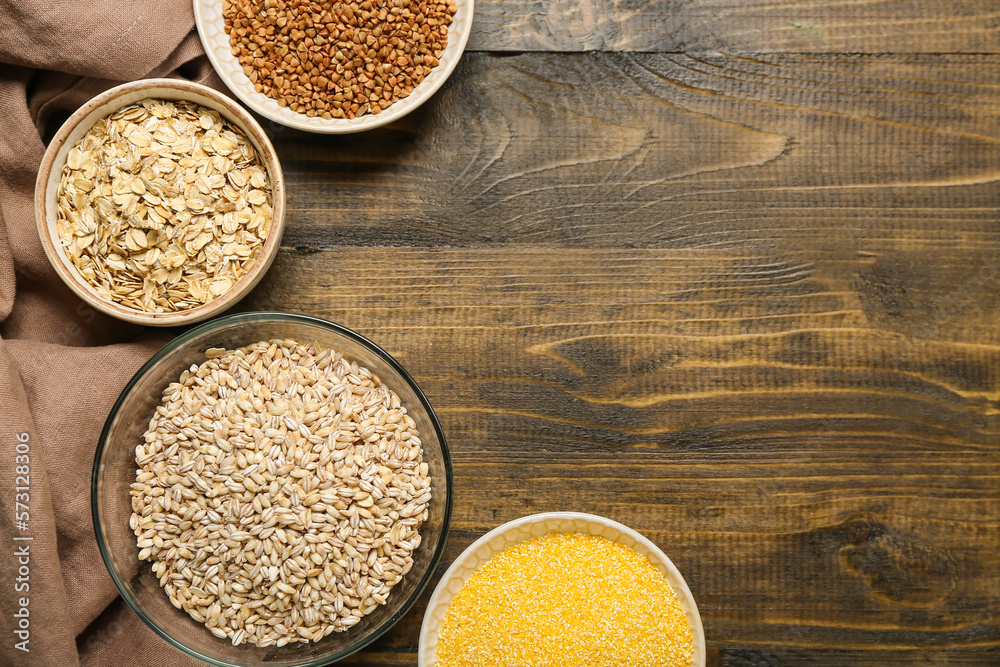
744,304
870,153
894,657
806,26
814,448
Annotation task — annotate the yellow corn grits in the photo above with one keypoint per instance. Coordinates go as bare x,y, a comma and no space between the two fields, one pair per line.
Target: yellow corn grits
566,600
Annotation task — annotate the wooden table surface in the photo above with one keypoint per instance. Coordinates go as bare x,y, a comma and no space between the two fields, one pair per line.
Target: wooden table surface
722,270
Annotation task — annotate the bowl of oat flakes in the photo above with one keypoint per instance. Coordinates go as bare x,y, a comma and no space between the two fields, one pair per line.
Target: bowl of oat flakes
271,489
160,202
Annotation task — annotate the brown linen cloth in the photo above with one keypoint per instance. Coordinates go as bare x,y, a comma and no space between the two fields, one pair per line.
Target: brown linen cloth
62,364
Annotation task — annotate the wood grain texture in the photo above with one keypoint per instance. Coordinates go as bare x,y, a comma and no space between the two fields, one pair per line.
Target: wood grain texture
823,480
745,304
807,26
870,153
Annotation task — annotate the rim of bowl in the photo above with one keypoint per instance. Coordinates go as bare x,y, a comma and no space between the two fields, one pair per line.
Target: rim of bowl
683,591
177,343
48,172
368,121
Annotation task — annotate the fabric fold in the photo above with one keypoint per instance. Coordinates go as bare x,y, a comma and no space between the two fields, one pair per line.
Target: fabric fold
33,608
62,364
121,40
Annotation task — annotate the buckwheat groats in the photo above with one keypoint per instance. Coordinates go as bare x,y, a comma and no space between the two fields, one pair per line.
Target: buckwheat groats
565,600
279,492
163,206
337,59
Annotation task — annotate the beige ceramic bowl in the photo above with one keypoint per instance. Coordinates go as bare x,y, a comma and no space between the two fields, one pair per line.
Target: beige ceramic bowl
81,122
535,525
211,28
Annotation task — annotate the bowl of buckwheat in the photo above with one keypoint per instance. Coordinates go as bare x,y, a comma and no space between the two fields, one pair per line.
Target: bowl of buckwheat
160,202
271,489
334,67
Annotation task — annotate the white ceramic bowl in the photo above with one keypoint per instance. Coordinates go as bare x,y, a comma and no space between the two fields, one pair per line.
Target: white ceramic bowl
211,28
105,104
535,525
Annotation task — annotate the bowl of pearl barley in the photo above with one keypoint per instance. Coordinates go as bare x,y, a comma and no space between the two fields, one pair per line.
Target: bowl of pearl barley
271,489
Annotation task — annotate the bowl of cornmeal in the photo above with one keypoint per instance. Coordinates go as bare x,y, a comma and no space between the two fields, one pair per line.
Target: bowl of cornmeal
562,589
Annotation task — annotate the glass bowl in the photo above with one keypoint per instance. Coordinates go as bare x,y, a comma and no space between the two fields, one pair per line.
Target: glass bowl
115,466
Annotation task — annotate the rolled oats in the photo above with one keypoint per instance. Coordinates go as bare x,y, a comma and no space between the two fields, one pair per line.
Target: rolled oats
163,205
